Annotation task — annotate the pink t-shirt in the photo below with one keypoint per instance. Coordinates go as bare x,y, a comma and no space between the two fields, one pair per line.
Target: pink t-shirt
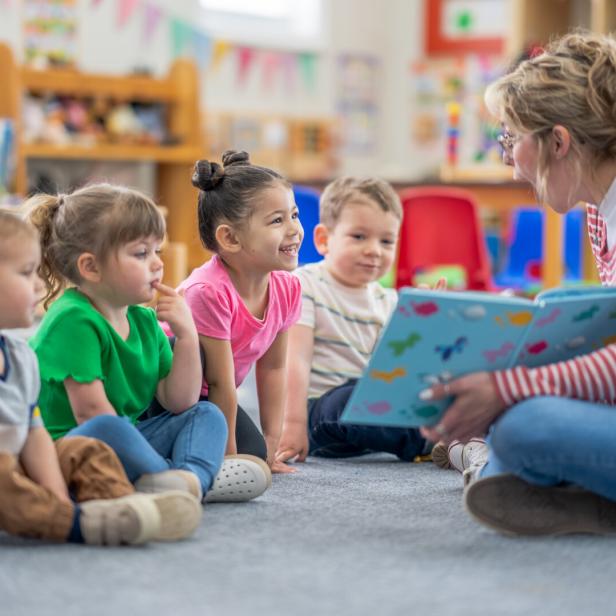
219,312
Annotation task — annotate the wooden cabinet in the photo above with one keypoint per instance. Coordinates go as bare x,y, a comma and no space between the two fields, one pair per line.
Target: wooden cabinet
177,93
535,22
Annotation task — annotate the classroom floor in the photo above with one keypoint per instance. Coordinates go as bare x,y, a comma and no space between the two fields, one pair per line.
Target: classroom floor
357,537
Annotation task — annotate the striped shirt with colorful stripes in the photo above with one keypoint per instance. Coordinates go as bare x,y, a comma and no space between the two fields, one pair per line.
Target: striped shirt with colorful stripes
346,322
588,377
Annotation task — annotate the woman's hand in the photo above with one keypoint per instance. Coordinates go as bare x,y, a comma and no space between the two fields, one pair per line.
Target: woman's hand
173,309
477,404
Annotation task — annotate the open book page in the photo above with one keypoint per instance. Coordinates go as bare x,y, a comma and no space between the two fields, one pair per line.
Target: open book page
570,322
435,337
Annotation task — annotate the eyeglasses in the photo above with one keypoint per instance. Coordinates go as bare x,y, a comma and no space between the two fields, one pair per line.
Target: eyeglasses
507,140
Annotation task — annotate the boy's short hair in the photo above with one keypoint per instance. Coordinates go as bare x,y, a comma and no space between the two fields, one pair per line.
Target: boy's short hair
347,189
12,225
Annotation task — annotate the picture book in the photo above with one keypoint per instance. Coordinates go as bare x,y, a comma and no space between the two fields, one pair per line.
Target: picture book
437,336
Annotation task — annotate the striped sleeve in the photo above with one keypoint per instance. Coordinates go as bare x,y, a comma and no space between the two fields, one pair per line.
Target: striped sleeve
589,377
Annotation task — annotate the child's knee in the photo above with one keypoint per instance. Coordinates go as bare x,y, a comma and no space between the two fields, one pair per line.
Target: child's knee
210,414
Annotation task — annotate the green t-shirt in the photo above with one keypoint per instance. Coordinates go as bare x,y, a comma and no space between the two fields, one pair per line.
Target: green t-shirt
75,340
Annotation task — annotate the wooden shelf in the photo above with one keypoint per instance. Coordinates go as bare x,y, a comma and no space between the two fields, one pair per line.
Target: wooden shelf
178,92
76,83
108,151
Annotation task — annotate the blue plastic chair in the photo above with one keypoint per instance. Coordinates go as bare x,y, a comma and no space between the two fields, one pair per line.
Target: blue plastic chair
307,200
527,248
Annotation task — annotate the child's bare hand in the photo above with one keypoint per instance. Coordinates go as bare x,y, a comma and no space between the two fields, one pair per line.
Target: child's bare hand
440,285
280,467
293,443
172,308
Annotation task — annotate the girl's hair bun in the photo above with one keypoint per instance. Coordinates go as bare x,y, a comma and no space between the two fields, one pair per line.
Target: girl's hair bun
234,158
207,175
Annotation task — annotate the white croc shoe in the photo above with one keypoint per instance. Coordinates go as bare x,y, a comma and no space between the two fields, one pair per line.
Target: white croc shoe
241,478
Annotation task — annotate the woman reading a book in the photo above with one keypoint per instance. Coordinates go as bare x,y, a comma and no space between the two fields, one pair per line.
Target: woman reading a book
551,465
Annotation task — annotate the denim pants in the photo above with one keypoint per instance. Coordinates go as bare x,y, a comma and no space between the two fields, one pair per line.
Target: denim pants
194,440
549,440
331,438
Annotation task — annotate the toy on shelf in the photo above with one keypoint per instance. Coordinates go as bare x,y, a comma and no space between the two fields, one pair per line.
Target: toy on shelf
453,132
88,121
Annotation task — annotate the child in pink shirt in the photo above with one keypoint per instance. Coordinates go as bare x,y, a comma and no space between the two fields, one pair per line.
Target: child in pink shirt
244,299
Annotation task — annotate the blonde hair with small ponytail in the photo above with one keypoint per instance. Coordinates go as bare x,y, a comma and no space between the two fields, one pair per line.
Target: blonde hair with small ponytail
97,219
572,84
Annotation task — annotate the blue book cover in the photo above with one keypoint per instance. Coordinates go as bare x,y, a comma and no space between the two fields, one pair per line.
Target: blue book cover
435,336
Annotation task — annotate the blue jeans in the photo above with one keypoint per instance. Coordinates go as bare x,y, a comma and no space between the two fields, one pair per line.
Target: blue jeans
330,438
548,440
194,440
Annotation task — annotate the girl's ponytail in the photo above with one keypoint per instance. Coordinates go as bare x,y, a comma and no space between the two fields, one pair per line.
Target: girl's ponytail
42,213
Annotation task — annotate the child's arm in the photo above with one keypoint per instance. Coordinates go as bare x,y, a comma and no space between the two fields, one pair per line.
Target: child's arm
294,439
87,399
40,461
179,390
220,377
272,392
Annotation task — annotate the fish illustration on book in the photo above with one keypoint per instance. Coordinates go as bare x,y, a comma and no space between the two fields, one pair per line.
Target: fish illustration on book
446,351
399,346
388,377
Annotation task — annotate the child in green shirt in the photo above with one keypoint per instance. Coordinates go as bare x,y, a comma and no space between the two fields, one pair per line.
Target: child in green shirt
40,480
104,357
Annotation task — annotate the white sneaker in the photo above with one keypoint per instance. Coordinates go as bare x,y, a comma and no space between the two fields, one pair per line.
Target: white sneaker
173,479
180,514
137,518
464,455
129,520
239,479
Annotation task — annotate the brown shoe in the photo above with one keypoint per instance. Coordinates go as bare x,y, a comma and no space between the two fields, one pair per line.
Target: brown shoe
440,455
510,505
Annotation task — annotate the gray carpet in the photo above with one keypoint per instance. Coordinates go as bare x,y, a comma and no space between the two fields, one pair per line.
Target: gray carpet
364,536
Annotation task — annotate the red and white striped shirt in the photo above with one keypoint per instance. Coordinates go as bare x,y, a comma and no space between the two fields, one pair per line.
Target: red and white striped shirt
588,377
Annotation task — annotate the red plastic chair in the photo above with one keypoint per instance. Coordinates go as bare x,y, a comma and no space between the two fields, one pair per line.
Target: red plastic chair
440,226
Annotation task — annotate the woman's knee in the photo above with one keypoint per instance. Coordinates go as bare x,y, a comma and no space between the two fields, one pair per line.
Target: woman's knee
526,425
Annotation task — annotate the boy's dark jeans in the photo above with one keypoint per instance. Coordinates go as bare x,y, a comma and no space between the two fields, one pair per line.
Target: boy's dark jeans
330,438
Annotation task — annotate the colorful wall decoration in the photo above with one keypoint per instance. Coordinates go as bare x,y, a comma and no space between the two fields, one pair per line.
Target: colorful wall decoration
50,32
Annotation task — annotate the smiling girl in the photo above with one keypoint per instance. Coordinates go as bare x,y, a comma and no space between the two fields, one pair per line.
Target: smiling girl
244,299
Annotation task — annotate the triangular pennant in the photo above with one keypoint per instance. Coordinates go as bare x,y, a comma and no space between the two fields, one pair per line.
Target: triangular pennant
289,71
220,50
151,18
307,66
245,59
125,10
202,46
270,63
181,37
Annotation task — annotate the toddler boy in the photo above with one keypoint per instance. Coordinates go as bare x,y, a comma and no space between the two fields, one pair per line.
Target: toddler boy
344,309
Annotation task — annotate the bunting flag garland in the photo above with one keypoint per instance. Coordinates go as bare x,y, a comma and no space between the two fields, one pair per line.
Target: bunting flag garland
270,64
289,72
181,37
307,66
245,59
219,52
209,53
202,46
125,10
152,15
